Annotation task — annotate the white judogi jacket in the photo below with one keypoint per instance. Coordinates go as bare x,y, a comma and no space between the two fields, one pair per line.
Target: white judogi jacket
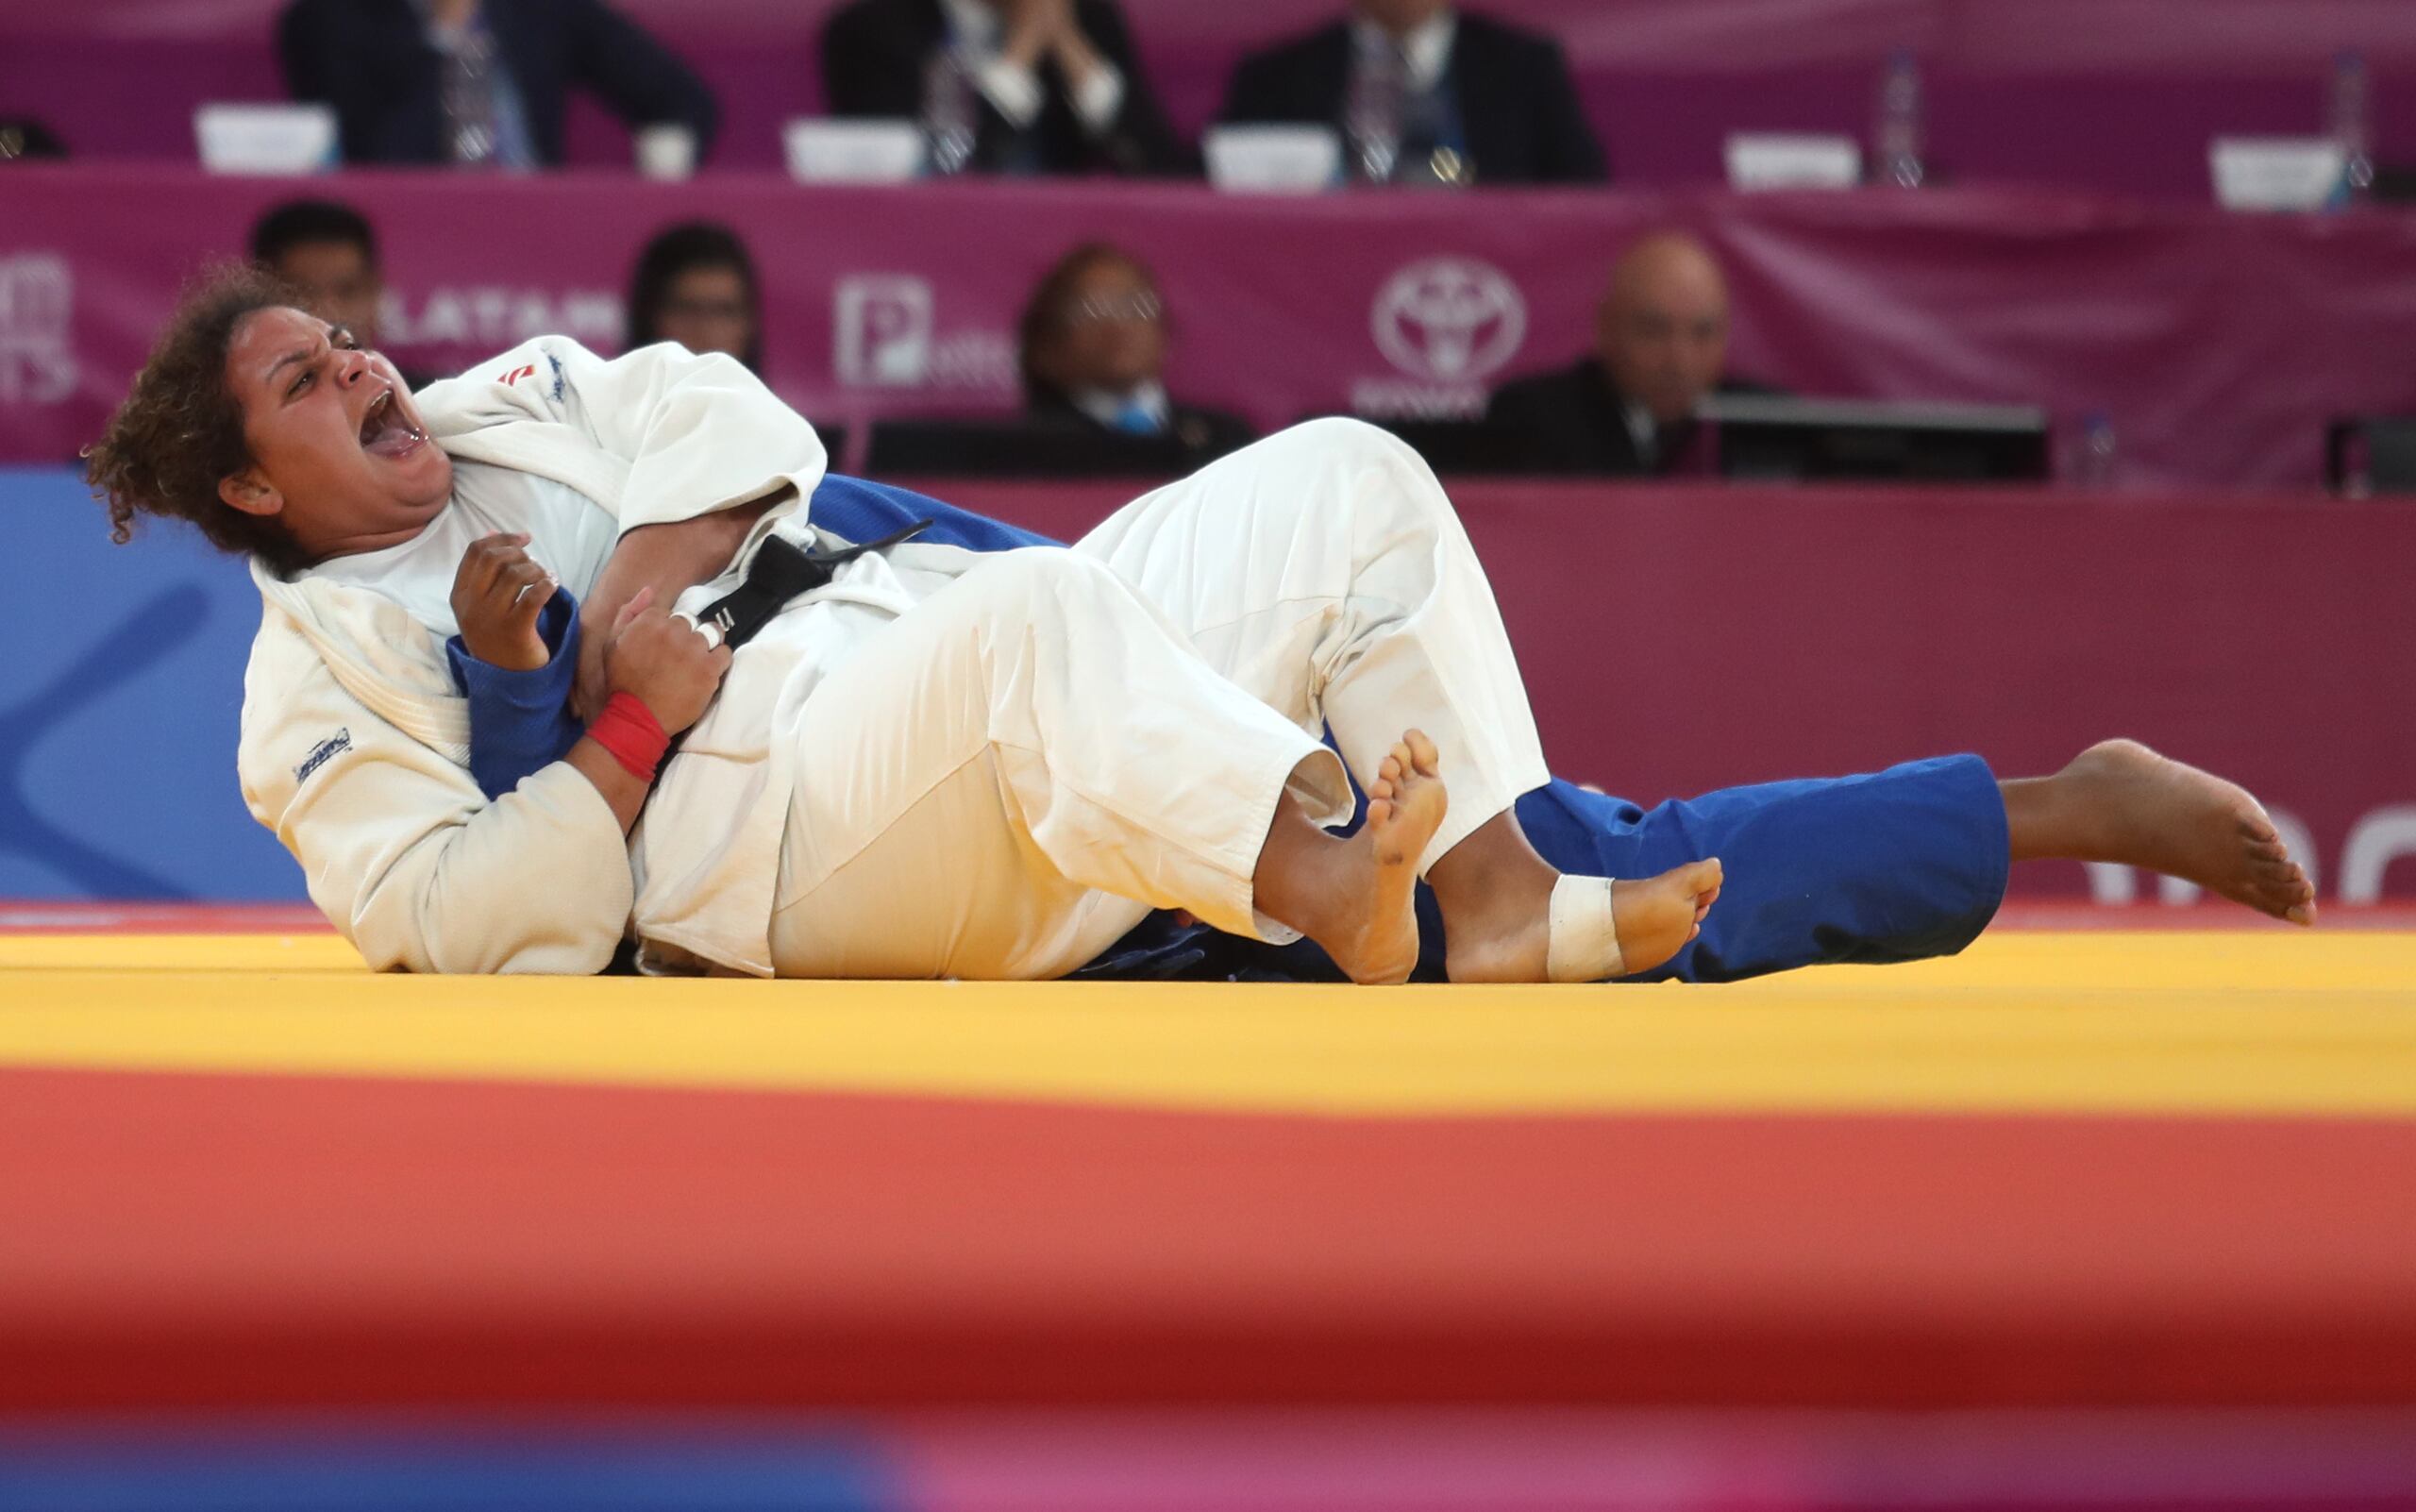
355,743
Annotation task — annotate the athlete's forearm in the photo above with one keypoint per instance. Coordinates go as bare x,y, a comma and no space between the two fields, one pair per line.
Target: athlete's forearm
618,787
670,559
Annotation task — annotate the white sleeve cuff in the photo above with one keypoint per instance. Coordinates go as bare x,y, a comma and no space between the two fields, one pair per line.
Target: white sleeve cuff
1100,96
1014,92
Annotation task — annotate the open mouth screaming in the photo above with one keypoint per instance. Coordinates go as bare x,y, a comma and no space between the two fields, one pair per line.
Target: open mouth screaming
384,431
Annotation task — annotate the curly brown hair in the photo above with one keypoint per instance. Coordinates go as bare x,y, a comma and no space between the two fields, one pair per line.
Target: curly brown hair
181,428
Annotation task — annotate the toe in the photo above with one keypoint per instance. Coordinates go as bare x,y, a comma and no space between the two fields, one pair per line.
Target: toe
1423,753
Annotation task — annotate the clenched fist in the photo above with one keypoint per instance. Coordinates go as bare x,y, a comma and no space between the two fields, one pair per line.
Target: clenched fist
497,594
662,662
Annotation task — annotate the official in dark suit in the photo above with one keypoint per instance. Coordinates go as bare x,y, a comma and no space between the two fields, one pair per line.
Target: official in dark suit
1094,340
1627,410
478,81
1048,86
1481,102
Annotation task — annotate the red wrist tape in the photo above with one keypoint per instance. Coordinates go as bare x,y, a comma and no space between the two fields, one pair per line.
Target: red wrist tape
628,729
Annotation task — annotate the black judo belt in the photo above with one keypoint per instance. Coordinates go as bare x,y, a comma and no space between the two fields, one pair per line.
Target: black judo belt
780,572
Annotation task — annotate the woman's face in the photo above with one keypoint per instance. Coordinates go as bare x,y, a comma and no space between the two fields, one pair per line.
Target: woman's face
339,456
1110,333
706,310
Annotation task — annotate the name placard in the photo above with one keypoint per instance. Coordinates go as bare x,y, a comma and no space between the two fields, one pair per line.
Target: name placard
852,152
265,139
1273,160
1793,161
2274,173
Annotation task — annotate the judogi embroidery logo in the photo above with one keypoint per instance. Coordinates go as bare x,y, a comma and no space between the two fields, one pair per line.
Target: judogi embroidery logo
322,753
37,320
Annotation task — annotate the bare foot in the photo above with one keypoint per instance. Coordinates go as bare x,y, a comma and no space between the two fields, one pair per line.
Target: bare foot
1652,918
1657,917
2141,809
1377,943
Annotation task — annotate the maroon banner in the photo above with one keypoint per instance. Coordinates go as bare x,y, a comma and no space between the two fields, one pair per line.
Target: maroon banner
2219,345
1678,638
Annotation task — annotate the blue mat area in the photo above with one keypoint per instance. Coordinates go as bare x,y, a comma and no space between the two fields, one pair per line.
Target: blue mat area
446,1470
118,708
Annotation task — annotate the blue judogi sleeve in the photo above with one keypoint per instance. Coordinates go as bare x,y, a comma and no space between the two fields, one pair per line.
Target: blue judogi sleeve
861,510
521,721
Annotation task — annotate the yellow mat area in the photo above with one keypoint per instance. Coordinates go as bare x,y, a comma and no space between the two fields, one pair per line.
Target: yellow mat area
2277,1022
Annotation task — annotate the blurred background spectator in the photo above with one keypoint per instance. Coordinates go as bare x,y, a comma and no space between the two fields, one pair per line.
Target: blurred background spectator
1423,92
328,251
695,285
478,82
23,138
1094,341
1003,86
1660,345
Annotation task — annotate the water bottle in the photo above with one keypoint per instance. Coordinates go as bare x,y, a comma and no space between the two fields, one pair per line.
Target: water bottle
2095,459
1372,113
1899,130
2353,125
952,122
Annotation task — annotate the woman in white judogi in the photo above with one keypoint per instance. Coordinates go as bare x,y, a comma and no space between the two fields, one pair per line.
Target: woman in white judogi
943,763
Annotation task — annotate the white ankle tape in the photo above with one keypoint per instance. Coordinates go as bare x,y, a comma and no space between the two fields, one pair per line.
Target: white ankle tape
1585,941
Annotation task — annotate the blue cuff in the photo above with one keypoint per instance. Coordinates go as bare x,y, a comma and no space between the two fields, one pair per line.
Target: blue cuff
521,721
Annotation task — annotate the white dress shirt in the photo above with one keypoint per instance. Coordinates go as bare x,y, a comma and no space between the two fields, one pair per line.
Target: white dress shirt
1427,49
1108,408
1016,92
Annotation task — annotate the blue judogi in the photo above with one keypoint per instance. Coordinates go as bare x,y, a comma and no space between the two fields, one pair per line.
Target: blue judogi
1893,866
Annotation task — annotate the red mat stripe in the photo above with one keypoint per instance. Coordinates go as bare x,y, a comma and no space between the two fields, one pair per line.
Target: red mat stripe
204,1239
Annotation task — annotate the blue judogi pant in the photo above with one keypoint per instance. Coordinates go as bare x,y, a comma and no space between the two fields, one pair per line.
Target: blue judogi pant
1892,865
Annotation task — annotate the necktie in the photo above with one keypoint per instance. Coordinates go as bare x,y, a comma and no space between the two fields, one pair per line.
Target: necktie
467,96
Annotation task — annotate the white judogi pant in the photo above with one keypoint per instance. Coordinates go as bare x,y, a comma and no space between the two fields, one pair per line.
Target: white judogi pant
1008,778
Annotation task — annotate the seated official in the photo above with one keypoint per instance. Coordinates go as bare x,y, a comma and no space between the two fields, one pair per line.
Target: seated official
1004,86
480,82
1094,342
1628,408
1469,100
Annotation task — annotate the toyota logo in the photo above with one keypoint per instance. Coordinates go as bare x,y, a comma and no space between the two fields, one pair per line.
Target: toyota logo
1450,319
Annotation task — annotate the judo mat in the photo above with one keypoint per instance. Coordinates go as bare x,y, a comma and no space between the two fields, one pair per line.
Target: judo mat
2081,1209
